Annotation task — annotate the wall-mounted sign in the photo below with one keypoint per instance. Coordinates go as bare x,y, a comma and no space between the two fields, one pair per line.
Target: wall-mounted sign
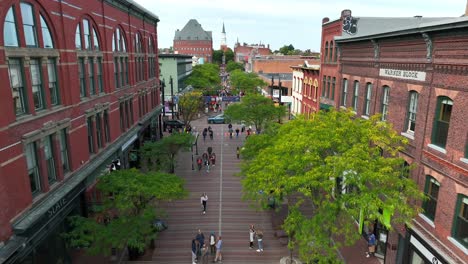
401,74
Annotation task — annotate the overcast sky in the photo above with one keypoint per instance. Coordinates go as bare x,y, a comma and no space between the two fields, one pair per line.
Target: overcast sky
281,22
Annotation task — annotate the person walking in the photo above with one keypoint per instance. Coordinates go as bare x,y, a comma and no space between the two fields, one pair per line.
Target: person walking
204,133
251,236
212,244
213,159
211,134
237,132
230,132
219,246
371,243
238,152
243,128
206,161
199,163
194,251
260,240
204,254
203,200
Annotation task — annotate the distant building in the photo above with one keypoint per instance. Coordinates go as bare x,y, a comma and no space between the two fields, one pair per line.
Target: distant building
223,45
194,40
305,89
177,66
244,52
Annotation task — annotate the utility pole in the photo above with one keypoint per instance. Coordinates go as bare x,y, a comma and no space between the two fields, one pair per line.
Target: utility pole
172,96
163,87
280,89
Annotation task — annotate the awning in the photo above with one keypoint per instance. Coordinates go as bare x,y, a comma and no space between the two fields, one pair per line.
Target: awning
325,106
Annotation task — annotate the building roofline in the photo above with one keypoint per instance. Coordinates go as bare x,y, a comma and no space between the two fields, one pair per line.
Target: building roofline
453,23
130,4
172,55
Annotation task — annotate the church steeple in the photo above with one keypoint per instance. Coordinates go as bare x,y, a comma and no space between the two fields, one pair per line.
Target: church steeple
223,39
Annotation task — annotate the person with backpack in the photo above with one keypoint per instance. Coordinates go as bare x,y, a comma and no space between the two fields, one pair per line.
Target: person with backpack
260,240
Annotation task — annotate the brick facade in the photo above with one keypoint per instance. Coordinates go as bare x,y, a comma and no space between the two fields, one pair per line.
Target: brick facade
432,64
78,110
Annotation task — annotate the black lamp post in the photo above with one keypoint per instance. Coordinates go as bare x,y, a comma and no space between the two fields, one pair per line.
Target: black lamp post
172,96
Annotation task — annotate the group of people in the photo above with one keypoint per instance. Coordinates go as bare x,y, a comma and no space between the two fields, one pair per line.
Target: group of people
200,250
258,235
208,158
207,131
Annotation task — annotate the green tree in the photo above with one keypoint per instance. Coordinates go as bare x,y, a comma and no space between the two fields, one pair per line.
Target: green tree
246,82
254,109
161,155
129,206
232,65
229,55
204,77
287,49
334,164
218,56
190,104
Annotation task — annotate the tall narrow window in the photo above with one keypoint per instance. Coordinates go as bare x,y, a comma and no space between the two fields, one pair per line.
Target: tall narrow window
53,87
90,135
324,85
385,100
327,94
127,115
442,121
432,192
356,95
17,86
10,37
344,94
106,126
33,168
78,37
29,25
331,51
99,75
122,117
335,55
126,71
64,150
46,37
92,86
81,73
367,101
121,71
116,72
49,158
86,34
37,91
412,110
333,88
99,130
326,53
95,40
460,221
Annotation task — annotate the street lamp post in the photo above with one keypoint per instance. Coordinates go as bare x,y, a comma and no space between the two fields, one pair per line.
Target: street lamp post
172,96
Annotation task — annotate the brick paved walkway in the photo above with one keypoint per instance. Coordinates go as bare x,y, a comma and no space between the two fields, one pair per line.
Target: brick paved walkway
226,214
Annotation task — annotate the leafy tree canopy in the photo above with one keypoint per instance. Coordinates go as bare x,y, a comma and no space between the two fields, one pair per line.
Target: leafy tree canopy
334,164
161,155
246,82
255,109
218,56
204,77
127,212
190,104
231,66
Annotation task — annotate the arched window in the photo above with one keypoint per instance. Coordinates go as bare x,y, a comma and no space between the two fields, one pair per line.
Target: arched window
331,51
385,101
442,121
412,110
335,54
139,58
325,59
367,99
10,37
121,66
151,58
89,61
28,19
344,92
356,96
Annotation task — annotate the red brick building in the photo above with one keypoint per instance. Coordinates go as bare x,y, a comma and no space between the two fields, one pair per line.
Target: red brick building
80,92
329,63
244,52
413,71
305,89
194,40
